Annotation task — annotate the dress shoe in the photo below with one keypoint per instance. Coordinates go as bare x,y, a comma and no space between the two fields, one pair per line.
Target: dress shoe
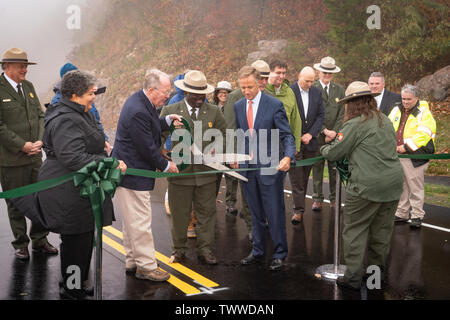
341,283
66,294
22,254
297,218
415,223
89,290
207,258
177,257
251,259
157,275
400,220
317,206
232,210
47,248
275,265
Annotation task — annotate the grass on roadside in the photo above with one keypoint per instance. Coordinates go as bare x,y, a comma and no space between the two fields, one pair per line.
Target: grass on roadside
435,194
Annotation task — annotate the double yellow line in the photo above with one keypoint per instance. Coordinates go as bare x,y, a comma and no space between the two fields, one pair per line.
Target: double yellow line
173,280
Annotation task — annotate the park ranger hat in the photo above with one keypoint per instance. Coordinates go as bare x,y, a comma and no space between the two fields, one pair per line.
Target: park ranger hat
327,64
15,55
195,82
262,67
357,89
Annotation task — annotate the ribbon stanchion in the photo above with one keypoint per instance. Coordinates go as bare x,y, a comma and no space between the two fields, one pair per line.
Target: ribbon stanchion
96,180
335,270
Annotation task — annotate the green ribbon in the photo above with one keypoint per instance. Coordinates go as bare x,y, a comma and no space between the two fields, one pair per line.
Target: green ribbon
96,180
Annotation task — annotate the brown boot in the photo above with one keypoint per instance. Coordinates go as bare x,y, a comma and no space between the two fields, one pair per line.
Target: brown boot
157,275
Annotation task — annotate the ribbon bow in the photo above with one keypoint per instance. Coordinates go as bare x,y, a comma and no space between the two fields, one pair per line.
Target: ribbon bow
95,180
342,168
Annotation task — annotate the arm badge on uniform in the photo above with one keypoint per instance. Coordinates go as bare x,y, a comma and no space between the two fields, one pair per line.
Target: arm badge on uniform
339,136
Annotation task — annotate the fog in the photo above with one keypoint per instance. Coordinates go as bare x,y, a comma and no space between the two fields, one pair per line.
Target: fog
40,27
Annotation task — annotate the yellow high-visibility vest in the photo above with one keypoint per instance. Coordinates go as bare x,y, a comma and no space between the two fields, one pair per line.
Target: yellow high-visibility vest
419,128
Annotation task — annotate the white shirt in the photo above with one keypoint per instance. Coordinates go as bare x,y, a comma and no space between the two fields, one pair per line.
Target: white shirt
190,109
379,98
12,82
255,106
305,99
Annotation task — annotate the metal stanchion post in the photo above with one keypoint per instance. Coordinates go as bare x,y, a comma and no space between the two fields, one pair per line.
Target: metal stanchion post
98,266
335,270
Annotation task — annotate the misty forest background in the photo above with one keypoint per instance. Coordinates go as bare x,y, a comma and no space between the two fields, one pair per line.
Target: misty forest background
216,36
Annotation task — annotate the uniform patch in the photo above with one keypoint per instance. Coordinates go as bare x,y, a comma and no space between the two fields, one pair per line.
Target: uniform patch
340,136
210,124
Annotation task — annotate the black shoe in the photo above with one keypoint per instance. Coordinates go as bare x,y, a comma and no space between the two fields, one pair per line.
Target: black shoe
344,285
251,259
400,220
66,294
87,289
415,223
22,254
276,265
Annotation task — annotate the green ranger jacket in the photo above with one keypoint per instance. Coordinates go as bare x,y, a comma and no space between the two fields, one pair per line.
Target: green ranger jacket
20,121
210,117
334,112
228,108
375,173
287,97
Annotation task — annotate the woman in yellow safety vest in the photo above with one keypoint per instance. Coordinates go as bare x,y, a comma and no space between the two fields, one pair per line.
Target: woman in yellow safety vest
416,129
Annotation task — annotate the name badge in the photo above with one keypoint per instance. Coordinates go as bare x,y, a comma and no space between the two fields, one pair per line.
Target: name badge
6,100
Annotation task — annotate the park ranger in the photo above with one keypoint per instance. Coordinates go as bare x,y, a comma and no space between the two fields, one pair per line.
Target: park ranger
197,190
367,140
21,131
334,114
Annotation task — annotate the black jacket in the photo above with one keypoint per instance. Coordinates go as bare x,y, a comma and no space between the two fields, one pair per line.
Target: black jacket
388,101
72,139
313,121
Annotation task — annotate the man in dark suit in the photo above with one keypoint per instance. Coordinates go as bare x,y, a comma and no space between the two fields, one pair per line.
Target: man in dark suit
255,114
312,112
387,99
138,139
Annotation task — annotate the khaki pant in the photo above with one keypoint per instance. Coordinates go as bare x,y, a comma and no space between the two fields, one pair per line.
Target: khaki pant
413,195
12,178
368,225
181,199
136,226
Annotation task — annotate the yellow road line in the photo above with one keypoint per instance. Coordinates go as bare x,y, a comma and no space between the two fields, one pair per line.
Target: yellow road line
177,266
183,286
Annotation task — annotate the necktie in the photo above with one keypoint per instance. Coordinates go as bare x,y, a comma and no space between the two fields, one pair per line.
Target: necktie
250,116
325,93
193,115
19,91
